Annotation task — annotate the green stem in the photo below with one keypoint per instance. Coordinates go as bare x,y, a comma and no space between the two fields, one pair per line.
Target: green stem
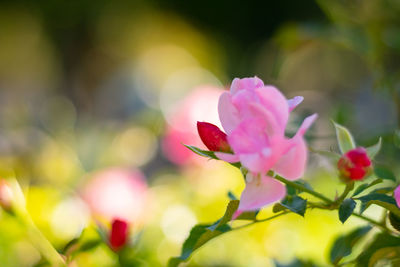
40,241
381,225
303,188
348,188
262,220
372,221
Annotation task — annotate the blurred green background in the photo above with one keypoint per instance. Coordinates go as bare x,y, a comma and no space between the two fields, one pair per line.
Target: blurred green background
101,88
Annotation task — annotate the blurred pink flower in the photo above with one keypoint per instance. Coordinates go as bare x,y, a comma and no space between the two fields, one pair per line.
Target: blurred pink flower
119,234
117,193
397,195
255,116
6,195
181,129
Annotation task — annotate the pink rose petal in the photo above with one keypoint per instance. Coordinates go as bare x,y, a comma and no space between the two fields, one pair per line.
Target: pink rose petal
294,102
228,114
260,191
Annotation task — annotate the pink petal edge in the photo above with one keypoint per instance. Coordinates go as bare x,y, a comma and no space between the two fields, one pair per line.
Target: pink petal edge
293,164
228,114
259,192
230,158
294,102
397,195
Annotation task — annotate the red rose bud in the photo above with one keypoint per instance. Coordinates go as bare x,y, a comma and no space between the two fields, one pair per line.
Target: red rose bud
119,234
213,137
355,164
6,195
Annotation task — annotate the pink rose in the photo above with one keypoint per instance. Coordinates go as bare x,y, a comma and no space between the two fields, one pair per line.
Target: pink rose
254,117
397,195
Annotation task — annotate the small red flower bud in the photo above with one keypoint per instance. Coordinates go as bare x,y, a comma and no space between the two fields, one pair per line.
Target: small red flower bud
119,234
6,195
213,137
355,164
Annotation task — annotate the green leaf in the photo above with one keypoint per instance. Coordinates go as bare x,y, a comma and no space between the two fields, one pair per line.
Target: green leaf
344,138
199,235
90,244
384,173
396,138
70,245
362,187
381,200
346,209
372,151
296,204
209,154
230,210
343,245
278,207
203,153
202,233
386,255
248,215
291,191
232,196
380,241
382,190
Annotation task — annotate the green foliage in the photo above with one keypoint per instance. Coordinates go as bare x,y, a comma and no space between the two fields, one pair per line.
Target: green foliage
248,215
230,210
295,204
365,186
382,190
396,138
373,150
344,138
209,154
394,221
199,235
201,152
378,249
232,196
296,263
202,233
81,244
382,200
346,209
343,245
278,207
384,173
89,245
291,191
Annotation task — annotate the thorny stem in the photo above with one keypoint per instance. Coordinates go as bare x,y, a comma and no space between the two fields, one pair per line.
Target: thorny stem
332,204
348,188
